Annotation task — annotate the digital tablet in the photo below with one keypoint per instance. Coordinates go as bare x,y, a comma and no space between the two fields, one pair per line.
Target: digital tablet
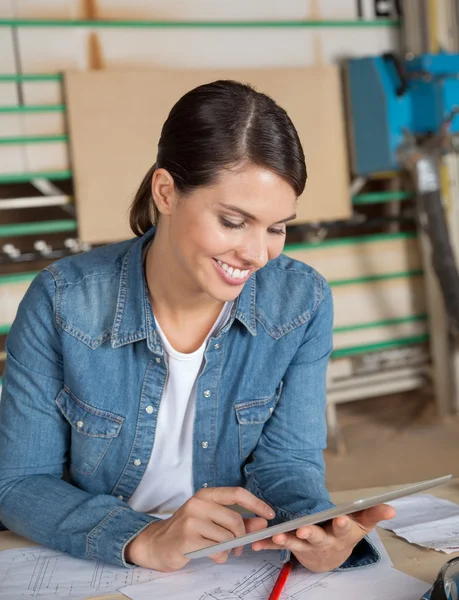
320,517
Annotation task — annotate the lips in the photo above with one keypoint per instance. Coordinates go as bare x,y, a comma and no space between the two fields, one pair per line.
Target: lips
231,274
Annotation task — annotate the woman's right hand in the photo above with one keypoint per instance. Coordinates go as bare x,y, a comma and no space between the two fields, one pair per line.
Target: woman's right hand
203,520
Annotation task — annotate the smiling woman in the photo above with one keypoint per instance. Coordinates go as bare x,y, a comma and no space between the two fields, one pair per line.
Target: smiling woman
184,370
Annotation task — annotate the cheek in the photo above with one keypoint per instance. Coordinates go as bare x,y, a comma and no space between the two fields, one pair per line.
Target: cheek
276,247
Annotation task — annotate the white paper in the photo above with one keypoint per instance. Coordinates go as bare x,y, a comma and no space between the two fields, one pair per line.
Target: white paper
38,572
252,577
426,521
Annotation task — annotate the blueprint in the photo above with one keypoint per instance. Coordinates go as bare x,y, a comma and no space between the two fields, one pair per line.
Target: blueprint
38,572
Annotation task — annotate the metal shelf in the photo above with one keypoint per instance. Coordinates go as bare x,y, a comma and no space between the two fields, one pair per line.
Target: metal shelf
40,108
398,343
14,77
380,197
373,278
28,177
33,139
145,24
347,241
40,227
386,323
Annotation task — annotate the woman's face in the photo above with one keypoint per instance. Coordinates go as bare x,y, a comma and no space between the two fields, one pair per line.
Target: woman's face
220,235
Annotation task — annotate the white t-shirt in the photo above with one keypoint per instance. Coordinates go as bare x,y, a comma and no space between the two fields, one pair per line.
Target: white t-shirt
168,479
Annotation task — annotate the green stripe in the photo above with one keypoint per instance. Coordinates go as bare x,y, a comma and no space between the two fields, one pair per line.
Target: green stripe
33,109
13,77
18,277
380,197
192,24
347,241
372,278
26,177
4,329
419,339
33,139
19,229
387,323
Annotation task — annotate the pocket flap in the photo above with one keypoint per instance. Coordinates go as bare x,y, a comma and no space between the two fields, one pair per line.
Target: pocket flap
87,419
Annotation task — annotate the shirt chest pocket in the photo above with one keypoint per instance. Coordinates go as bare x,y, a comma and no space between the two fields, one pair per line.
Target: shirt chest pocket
92,431
252,416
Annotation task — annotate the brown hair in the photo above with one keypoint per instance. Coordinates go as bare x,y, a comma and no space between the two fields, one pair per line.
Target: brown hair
214,127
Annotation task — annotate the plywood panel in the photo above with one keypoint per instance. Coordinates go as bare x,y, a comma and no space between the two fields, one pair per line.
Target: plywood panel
115,119
11,295
378,301
8,94
360,259
12,159
378,335
50,156
42,92
7,61
43,123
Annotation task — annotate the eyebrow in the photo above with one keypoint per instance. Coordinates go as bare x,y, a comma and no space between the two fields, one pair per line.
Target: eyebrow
251,217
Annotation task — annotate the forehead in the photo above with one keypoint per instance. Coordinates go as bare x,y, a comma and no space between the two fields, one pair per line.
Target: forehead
254,189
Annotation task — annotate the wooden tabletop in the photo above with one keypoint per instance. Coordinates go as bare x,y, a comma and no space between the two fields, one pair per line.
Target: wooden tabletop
413,560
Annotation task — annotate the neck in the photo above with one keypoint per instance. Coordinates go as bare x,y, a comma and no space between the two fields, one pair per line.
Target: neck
172,294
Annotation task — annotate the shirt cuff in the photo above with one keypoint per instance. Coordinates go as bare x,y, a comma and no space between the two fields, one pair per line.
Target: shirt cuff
101,543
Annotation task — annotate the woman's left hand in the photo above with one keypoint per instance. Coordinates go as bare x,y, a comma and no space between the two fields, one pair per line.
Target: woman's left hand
322,549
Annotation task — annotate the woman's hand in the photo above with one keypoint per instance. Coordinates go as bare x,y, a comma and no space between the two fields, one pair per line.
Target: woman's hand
326,548
203,520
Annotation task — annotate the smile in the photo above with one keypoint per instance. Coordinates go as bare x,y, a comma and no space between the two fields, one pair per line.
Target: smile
231,274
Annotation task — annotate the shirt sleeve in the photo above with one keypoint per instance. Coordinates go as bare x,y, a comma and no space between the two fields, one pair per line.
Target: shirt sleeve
287,469
35,501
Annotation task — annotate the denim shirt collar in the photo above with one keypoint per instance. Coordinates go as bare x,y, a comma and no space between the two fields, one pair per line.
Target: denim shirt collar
134,317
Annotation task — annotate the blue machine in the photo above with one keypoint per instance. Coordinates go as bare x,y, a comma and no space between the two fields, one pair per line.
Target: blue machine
388,96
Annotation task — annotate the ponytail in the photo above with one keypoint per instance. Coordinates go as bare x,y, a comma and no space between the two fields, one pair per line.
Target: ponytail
143,213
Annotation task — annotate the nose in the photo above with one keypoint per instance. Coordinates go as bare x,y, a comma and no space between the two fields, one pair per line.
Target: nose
255,251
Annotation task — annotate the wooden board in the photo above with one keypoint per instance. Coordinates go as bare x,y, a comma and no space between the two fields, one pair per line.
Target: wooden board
370,256
115,118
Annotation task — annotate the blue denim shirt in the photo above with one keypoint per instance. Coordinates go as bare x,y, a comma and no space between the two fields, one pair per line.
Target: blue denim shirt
84,361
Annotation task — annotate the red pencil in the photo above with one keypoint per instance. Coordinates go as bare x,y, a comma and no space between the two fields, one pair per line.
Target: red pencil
280,582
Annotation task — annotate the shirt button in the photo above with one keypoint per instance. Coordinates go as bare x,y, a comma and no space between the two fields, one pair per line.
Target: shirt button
205,444
158,360
137,462
207,394
79,424
271,409
120,497
205,485
217,346
149,409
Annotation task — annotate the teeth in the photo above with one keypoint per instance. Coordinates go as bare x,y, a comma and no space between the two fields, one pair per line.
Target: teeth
235,273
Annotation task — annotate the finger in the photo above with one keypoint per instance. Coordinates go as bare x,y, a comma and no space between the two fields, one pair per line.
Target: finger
286,542
251,524
341,527
369,518
227,518
220,557
227,496
315,535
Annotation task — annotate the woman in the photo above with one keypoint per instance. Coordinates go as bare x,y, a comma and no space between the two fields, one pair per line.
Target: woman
153,383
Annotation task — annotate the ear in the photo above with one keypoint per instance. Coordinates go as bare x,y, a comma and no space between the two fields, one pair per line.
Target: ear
163,191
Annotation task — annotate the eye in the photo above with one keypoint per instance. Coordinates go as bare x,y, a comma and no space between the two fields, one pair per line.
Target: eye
277,231
230,224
